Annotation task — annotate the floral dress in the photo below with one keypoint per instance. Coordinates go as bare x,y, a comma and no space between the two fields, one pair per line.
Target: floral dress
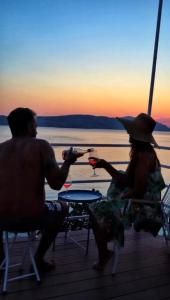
110,213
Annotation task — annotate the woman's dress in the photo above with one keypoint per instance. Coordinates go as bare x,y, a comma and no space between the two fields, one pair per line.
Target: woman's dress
113,217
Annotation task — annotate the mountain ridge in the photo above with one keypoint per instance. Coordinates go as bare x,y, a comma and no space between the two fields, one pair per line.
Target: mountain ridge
83,121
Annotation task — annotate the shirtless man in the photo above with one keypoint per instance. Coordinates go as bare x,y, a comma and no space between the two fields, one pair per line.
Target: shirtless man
25,163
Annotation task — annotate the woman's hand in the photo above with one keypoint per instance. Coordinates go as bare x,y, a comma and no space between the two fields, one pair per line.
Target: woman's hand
100,163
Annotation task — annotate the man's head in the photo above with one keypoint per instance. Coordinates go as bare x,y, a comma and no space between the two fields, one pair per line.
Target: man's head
22,122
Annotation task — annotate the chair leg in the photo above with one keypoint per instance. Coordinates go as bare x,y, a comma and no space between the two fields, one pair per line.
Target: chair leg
32,258
6,266
167,238
88,240
5,281
116,257
53,245
66,229
166,230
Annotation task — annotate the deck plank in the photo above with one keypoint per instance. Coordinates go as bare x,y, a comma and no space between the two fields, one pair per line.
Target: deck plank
143,272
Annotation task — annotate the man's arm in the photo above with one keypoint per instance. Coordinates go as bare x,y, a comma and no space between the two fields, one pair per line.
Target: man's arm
55,176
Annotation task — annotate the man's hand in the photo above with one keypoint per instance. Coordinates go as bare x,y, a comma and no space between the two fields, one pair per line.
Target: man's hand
70,156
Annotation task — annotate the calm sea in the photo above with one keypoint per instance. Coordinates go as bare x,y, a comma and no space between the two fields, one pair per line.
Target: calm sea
64,135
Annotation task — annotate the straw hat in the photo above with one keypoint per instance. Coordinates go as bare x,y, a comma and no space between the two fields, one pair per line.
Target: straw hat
140,128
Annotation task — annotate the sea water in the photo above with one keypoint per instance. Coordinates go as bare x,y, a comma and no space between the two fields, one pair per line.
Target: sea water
97,136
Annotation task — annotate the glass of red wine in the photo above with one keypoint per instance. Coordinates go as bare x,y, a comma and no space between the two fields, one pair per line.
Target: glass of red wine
68,183
93,157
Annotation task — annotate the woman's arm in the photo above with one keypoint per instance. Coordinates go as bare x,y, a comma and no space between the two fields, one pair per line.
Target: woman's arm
121,178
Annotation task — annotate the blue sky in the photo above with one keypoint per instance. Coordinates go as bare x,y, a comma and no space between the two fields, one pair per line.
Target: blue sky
81,43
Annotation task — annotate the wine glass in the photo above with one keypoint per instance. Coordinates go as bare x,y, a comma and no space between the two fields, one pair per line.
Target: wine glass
93,156
68,183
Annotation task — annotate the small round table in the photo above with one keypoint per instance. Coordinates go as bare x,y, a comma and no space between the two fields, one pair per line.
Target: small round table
84,197
80,196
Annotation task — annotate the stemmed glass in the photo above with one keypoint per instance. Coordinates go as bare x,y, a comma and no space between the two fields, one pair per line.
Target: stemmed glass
68,183
93,156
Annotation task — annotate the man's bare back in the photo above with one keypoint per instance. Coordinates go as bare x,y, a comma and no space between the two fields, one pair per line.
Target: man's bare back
22,177
25,163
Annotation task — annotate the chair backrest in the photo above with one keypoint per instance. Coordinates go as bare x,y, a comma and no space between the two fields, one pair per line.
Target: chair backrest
166,200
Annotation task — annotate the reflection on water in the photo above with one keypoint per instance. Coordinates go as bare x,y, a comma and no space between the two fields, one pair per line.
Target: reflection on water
63,135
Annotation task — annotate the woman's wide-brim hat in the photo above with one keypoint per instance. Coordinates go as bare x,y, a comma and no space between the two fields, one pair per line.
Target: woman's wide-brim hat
140,128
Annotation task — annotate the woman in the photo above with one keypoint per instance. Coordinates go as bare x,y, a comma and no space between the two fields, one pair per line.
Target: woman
141,180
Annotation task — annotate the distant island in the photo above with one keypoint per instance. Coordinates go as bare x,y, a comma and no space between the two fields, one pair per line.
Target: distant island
83,122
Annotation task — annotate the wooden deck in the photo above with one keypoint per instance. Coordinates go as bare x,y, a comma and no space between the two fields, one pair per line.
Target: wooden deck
143,272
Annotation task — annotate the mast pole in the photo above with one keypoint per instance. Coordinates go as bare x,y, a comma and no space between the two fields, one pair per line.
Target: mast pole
155,57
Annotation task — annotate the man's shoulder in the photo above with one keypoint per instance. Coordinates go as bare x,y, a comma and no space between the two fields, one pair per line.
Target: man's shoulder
45,148
4,143
42,143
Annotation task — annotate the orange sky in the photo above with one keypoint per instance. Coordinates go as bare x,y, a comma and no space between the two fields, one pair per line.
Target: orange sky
84,95
86,57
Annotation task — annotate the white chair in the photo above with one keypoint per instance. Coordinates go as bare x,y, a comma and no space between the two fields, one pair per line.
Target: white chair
165,210
5,265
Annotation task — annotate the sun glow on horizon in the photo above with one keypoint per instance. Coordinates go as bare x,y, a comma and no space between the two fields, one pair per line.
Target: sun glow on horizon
72,57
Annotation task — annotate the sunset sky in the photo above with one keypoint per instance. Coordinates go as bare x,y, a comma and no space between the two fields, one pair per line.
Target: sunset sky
83,57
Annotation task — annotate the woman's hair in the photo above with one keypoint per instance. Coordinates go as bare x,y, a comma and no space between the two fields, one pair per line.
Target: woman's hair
138,147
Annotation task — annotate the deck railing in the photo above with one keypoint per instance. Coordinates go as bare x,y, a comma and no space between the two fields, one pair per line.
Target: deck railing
165,166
